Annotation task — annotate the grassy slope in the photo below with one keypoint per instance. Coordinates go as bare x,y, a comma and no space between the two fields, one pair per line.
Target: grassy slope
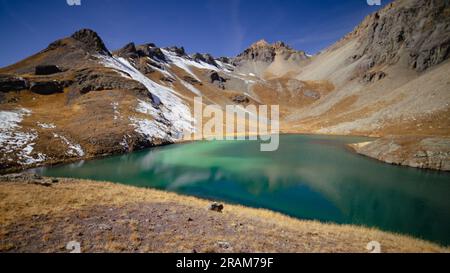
110,217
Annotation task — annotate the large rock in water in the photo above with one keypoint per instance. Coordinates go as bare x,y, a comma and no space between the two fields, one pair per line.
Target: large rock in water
47,70
12,83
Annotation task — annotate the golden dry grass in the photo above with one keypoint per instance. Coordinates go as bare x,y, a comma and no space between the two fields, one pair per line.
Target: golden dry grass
264,231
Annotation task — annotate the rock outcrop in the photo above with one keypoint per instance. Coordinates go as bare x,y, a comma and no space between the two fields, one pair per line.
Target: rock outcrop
241,99
90,41
419,30
177,50
47,69
217,79
12,83
418,152
206,58
128,51
47,87
88,80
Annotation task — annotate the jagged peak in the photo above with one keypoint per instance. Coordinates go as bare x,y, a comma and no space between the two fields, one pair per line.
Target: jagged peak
177,50
264,44
129,50
204,57
260,43
91,41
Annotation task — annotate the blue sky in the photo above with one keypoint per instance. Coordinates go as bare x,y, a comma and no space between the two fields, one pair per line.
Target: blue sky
219,27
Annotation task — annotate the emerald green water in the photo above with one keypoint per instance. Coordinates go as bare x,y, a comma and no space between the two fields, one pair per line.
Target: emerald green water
309,177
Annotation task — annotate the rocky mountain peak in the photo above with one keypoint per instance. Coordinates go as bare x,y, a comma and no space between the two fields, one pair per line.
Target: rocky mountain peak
91,41
260,43
264,52
206,58
177,50
128,51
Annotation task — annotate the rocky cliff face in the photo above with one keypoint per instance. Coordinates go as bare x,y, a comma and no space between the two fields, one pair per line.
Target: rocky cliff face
416,30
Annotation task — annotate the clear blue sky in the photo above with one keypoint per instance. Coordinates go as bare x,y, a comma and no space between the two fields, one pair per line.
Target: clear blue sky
219,27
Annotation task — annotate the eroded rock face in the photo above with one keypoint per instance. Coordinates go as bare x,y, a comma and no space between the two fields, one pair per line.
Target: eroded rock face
12,83
419,29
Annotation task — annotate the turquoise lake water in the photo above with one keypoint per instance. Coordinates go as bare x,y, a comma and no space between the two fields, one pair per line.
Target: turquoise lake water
309,177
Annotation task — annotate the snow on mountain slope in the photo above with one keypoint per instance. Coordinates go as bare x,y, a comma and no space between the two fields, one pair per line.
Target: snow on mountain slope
185,63
166,103
14,142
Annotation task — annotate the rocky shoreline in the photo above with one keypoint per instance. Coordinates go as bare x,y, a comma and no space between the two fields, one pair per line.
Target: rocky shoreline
413,151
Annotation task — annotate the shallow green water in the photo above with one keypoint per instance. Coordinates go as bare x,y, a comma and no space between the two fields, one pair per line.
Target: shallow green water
309,177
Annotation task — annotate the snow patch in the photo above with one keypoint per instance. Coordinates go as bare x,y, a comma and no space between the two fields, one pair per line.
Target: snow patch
73,149
124,142
150,128
15,144
46,125
116,112
225,67
191,88
186,62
